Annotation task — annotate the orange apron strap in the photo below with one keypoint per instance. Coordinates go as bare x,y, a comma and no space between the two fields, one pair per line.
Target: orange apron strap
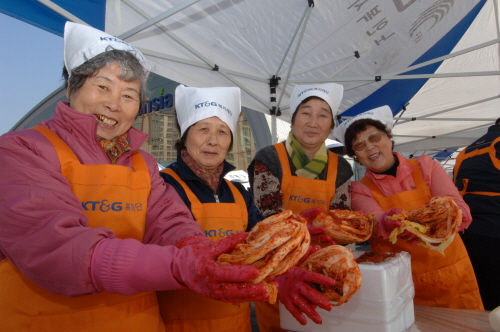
485,193
458,161
239,200
287,172
238,197
285,165
377,194
189,193
333,161
465,182
463,156
422,191
418,177
65,154
492,153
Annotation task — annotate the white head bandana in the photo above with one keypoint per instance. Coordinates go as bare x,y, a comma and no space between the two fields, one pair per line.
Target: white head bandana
330,92
195,104
82,43
382,114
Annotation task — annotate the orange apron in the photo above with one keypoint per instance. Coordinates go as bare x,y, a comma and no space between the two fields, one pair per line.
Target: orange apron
463,156
440,281
186,310
114,197
299,194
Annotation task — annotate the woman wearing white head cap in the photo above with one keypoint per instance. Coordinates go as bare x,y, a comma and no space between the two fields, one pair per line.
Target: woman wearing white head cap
207,118
301,173
392,183
88,227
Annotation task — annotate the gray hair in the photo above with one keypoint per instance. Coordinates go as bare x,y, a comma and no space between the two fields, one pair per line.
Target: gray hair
132,70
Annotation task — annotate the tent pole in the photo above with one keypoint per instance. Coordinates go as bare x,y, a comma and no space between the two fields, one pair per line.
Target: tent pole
299,41
61,11
458,107
274,111
212,65
393,76
157,19
291,41
402,77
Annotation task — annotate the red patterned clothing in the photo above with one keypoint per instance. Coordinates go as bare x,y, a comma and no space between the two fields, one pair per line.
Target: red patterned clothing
115,147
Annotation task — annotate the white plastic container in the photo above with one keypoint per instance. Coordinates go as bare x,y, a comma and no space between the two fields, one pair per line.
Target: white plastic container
384,302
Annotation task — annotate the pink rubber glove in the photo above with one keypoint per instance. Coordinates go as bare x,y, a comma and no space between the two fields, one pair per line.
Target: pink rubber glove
298,296
192,240
317,233
311,250
385,226
195,266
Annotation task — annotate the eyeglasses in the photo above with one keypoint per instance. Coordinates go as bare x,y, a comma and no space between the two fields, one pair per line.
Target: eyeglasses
373,138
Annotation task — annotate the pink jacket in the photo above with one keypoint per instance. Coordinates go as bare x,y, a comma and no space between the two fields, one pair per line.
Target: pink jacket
438,181
44,233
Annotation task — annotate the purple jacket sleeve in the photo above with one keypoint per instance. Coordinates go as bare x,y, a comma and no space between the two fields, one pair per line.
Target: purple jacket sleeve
44,233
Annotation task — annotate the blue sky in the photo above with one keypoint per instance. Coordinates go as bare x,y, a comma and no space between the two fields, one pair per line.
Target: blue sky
31,61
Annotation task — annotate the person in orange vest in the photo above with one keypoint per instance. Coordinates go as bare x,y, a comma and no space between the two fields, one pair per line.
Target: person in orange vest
391,183
88,229
300,173
207,119
477,177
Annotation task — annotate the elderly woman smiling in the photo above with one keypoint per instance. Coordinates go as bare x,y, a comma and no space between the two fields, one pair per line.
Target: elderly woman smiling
88,228
301,174
207,119
218,205
391,183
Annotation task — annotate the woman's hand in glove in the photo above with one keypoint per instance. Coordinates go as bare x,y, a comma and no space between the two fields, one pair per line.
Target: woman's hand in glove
298,296
386,225
317,233
195,266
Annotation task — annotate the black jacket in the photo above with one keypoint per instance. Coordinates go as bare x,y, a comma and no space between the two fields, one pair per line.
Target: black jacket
483,176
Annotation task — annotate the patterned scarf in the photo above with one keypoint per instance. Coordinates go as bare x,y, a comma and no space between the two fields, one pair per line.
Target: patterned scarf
306,168
210,177
115,147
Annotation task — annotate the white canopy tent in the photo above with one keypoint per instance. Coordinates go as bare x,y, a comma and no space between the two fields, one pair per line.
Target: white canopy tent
384,52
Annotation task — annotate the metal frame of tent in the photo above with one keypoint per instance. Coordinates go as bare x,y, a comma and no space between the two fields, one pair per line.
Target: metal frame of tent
274,108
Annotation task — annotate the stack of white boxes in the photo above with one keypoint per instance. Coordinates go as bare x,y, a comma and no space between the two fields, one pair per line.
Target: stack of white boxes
384,303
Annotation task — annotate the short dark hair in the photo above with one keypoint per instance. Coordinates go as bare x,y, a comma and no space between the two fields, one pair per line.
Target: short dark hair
132,70
359,126
497,122
180,144
305,101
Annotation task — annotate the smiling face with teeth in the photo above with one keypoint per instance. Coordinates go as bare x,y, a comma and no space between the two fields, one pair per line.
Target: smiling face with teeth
113,101
378,156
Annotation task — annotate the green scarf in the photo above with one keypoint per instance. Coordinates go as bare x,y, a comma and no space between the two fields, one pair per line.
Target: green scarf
306,168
